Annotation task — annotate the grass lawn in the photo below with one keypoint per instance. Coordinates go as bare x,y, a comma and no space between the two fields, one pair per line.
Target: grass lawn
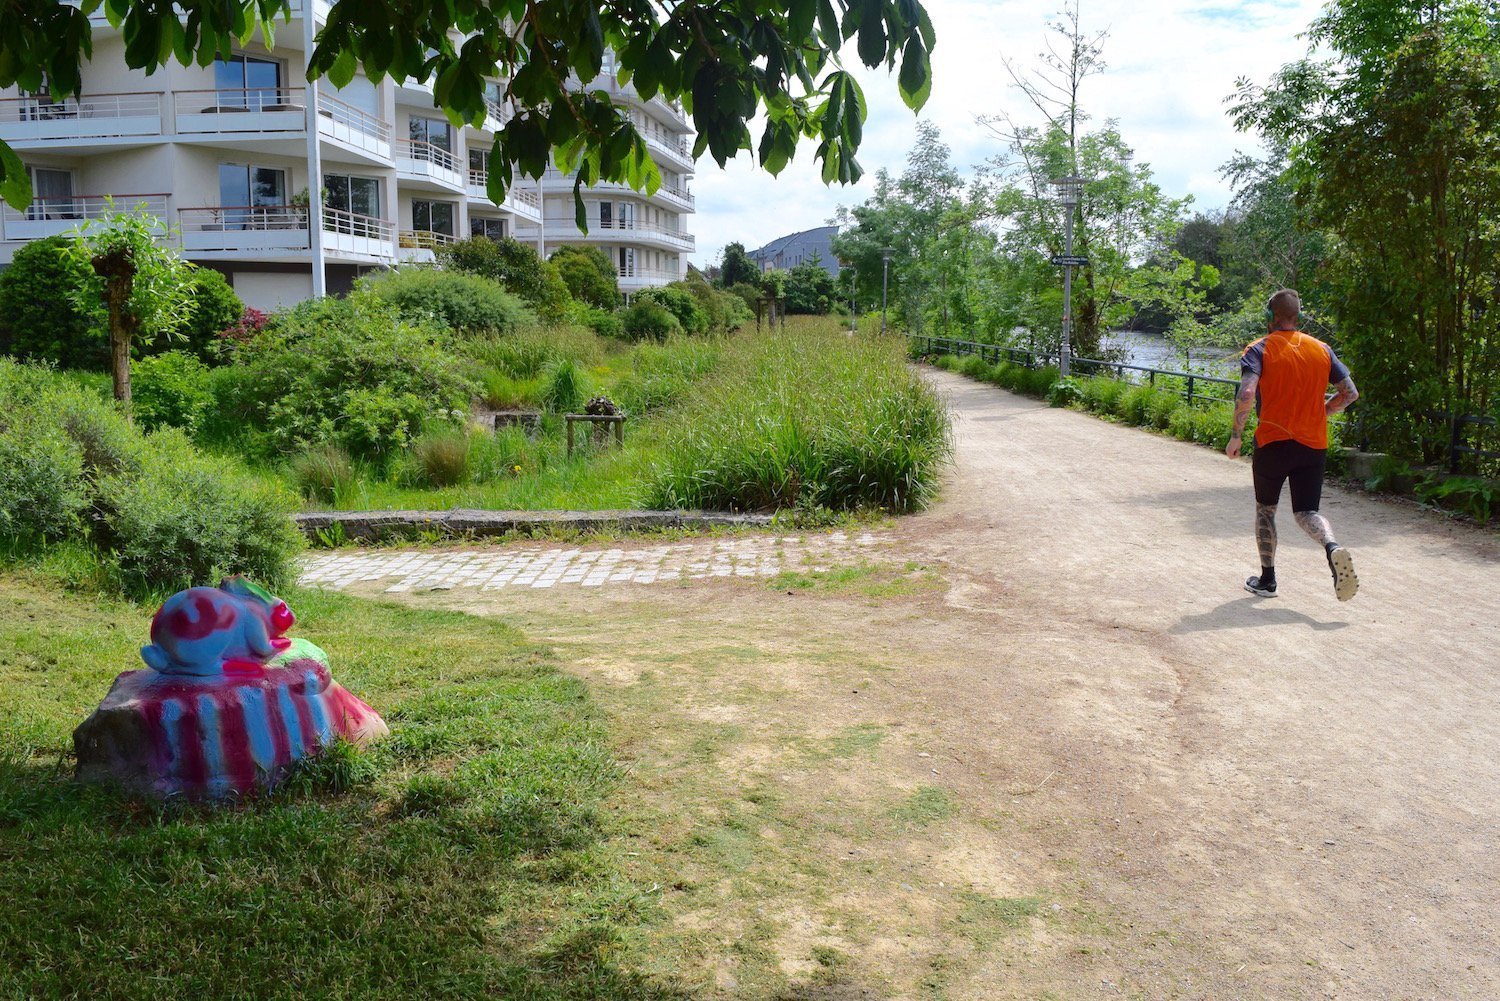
470,858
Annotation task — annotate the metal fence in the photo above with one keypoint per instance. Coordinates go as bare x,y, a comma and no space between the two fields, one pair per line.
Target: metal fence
1463,443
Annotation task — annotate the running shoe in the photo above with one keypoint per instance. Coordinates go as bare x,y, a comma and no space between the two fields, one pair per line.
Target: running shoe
1345,583
1253,585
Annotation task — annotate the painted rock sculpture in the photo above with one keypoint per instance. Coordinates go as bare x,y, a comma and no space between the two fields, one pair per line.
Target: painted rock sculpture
227,702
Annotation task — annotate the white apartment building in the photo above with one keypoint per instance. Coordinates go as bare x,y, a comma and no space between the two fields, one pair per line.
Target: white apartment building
646,237
227,154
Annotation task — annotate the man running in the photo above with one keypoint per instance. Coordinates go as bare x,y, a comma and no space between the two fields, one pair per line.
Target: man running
1284,375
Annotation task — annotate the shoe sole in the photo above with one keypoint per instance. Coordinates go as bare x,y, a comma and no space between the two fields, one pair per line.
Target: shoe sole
1345,583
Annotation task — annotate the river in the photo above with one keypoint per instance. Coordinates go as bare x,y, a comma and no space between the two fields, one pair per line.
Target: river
1155,351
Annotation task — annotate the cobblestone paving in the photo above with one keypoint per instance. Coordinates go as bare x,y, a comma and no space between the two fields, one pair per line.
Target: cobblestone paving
584,566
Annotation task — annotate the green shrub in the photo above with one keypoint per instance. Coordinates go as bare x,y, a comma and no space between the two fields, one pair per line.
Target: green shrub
662,374
464,303
186,518
1183,424
811,420
324,473
1134,404
725,311
1213,425
170,390
1470,495
680,303
41,480
647,320
349,371
974,367
1160,407
603,323
516,268
437,459
526,355
39,321
216,309
589,274
566,389
1064,393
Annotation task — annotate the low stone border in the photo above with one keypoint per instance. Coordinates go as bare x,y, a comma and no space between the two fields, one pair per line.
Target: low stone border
366,526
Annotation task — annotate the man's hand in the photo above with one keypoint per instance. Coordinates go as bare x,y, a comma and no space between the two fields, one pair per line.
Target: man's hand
1233,451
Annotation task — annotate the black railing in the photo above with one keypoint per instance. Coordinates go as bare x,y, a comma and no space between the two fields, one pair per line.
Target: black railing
1190,385
1456,438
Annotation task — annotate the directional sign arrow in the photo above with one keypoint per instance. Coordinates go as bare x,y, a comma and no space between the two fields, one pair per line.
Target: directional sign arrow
1062,260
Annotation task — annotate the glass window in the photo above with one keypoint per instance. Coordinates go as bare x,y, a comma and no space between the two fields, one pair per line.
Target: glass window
606,215
494,229
627,215
52,194
431,130
479,161
433,217
360,195
247,81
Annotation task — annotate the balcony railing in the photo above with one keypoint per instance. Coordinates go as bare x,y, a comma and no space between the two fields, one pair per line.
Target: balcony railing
480,179
241,110
678,196
425,239
361,226
630,271
244,227
684,240
54,216
426,152
346,122
38,116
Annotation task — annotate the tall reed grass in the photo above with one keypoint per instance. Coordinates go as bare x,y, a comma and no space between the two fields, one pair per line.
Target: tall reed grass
803,418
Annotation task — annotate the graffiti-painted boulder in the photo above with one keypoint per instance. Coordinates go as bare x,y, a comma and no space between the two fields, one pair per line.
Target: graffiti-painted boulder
227,703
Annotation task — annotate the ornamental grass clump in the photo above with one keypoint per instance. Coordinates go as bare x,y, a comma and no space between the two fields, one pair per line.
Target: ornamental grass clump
324,473
804,419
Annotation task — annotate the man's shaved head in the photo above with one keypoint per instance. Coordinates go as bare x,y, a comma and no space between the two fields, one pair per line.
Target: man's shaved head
1286,306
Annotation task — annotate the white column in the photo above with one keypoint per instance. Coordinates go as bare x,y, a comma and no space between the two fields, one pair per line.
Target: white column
314,163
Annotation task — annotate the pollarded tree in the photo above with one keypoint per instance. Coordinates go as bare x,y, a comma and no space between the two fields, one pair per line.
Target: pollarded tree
726,61
147,290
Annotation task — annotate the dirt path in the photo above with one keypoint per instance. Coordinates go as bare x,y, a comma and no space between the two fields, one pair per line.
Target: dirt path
1040,744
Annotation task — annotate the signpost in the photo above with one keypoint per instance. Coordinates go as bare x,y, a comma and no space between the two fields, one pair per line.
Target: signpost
1070,192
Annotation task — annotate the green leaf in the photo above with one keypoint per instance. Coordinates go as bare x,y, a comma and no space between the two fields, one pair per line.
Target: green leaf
15,186
915,79
342,71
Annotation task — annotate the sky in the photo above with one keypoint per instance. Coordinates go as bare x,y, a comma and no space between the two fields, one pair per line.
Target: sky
1169,66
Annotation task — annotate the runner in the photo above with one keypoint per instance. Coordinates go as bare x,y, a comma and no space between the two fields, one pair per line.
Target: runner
1284,375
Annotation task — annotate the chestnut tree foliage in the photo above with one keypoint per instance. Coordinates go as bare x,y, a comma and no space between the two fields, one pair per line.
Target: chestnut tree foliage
726,61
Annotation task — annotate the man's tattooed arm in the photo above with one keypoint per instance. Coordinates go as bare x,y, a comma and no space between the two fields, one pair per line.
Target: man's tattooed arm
1244,402
1344,394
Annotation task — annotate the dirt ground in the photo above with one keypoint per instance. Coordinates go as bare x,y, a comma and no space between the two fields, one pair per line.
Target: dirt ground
1042,745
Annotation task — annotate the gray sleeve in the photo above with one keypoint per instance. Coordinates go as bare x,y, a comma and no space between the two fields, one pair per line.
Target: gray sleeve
1253,358
1337,370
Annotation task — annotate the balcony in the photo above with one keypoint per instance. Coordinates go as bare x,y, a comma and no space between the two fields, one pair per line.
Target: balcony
353,129
426,165
675,148
55,216
625,231
633,278
249,111
676,198
40,118
348,234
248,229
419,246
522,202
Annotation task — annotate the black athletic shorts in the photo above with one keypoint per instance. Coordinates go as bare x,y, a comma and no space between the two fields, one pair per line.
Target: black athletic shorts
1280,461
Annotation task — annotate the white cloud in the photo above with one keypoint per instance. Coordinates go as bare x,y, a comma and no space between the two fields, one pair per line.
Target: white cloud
1170,66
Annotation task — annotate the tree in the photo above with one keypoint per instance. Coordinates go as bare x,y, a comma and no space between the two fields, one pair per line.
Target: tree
726,62
737,267
146,289
809,288
516,266
589,274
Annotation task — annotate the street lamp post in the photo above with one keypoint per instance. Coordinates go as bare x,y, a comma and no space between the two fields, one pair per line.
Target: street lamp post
885,278
1069,192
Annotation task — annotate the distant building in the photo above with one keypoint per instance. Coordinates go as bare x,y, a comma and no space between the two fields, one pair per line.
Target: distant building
789,251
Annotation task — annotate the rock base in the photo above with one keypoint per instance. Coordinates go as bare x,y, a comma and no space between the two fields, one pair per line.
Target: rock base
212,738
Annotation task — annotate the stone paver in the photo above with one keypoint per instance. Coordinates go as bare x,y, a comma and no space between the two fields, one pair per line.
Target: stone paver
542,566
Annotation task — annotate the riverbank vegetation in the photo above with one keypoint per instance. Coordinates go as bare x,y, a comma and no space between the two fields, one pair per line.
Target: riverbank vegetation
1382,207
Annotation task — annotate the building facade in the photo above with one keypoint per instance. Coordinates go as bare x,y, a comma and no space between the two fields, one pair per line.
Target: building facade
234,156
645,236
787,252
